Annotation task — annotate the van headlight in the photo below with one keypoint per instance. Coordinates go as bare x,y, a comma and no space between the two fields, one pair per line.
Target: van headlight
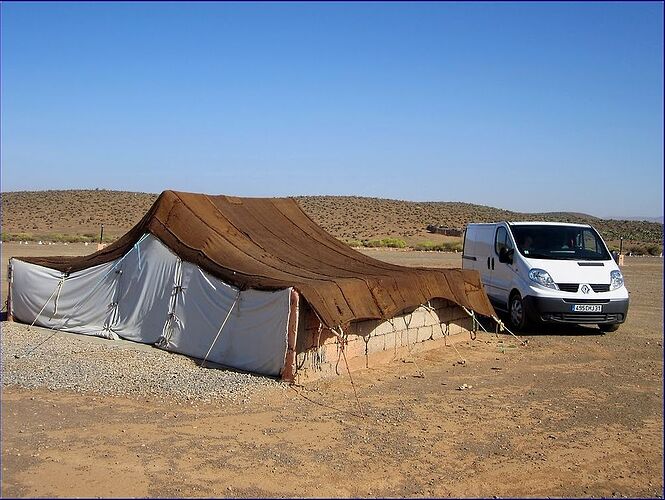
616,280
543,278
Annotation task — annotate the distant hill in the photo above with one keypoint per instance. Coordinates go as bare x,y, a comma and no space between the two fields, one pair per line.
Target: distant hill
350,217
645,219
79,213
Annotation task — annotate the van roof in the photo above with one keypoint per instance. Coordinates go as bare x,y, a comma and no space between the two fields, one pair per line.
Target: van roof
529,222
543,223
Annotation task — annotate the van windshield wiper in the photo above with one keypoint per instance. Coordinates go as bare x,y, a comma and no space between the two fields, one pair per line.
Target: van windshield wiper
537,256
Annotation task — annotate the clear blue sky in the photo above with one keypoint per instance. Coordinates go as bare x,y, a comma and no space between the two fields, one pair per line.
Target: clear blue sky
530,107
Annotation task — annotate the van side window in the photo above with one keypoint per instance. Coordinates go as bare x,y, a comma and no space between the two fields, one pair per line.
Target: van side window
590,241
502,240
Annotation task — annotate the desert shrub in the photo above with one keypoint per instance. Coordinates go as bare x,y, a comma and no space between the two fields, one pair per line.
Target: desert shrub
654,249
18,237
446,246
61,238
393,243
428,246
634,249
54,237
453,246
354,243
385,243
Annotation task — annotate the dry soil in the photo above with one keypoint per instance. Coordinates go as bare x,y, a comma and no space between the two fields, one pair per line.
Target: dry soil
573,414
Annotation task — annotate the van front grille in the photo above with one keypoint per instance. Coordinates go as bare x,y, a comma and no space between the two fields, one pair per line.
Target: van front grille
573,287
568,287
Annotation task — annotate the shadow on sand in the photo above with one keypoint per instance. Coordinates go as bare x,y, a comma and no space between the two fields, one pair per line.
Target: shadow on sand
545,329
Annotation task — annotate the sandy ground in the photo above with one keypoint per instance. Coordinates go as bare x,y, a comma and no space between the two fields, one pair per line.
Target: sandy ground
573,414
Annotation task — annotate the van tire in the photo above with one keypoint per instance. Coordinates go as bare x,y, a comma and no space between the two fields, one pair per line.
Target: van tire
608,327
517,311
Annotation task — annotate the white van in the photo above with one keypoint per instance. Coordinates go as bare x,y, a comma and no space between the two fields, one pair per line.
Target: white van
550,272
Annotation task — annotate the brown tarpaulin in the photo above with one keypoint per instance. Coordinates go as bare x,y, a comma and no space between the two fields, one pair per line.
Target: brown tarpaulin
270,243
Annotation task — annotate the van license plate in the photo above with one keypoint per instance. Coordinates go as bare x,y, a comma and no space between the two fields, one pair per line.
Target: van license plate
588,308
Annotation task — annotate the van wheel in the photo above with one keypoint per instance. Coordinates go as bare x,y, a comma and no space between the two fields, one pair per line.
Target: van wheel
517,312
608,327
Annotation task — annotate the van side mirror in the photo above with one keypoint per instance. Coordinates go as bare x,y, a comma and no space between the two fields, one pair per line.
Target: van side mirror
506,256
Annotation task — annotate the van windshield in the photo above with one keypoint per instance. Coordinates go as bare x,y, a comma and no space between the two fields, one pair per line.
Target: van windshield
559,242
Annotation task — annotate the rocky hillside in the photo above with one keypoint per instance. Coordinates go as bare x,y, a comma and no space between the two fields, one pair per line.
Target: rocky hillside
77,214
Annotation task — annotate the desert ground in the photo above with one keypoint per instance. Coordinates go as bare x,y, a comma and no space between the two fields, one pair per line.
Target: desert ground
574,413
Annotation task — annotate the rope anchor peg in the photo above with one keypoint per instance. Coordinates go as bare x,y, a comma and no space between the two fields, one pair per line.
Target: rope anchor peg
503,327
500,325
343,342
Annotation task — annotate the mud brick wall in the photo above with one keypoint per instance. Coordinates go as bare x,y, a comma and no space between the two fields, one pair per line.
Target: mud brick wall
372,342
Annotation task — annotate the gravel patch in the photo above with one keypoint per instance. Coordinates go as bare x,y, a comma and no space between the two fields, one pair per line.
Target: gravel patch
116,368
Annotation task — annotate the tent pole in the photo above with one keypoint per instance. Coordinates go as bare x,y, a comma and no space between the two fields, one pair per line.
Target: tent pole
221,328
10,316
288,371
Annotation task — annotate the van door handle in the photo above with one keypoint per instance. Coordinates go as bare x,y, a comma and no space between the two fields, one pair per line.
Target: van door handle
492,263
488,262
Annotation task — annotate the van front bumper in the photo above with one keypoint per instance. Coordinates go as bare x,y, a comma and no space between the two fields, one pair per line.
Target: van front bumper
556,310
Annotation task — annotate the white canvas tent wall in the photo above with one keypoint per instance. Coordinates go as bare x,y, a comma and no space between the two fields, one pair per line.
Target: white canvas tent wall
151,296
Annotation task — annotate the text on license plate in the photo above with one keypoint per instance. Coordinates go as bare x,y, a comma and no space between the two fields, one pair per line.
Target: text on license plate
588,308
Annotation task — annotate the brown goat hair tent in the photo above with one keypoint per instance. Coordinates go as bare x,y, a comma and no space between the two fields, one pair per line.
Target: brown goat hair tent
162,282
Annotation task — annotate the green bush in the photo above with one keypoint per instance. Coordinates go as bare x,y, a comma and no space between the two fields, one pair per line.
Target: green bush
53,237
635,249
18,237
446,246
62,238
386,243
428,246
654,249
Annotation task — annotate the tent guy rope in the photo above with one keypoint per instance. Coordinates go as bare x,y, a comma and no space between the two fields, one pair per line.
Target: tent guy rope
342,344
56,291
228,315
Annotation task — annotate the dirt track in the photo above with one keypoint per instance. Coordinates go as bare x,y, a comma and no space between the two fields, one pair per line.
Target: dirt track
574,413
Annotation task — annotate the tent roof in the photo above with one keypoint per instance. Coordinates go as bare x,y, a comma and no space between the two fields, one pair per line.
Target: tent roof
270,243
